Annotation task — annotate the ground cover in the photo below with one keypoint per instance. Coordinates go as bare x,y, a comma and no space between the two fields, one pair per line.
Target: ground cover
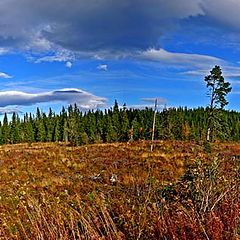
181,190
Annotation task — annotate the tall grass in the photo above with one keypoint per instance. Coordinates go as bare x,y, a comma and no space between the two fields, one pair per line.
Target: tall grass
67,193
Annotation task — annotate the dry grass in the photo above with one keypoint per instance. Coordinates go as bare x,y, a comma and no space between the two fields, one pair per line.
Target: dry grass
119,191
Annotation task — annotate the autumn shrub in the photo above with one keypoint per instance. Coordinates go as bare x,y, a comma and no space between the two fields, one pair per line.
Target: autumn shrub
204,204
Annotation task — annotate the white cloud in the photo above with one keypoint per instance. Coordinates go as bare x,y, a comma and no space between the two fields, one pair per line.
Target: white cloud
4,75
103,67
68,64
59,55
174,58
9,110
190,64
97,57
83,99
227,70
3,51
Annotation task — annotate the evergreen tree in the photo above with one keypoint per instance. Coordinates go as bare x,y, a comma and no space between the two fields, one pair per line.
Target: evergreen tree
62,124
73,127
39,127
218,89
1,136
115,122
135,128
56,132
119,125
5,130
124,130
165,124
14,129
49,123
24,133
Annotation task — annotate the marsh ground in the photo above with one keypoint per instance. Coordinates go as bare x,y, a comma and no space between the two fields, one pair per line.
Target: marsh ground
120,191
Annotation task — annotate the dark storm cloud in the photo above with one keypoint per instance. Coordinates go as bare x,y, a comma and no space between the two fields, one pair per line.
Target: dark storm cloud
102,28
223,12
92,25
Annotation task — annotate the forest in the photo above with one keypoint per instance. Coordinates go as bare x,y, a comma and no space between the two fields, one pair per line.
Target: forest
123,124
118,125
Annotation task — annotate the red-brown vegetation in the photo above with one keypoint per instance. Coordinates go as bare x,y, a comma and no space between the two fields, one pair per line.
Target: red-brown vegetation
120,191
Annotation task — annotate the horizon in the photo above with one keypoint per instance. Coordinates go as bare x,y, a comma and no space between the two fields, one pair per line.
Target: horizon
91,53
143,107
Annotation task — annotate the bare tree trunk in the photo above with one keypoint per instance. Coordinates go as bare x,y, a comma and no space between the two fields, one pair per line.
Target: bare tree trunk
210,116
154,122
208,134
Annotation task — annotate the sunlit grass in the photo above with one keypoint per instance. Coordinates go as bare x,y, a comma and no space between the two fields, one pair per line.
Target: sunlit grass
54,191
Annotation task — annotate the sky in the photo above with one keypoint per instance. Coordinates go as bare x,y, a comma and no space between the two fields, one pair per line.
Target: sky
59,52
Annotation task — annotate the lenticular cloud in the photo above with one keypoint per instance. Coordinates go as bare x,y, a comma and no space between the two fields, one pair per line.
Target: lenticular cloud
83,99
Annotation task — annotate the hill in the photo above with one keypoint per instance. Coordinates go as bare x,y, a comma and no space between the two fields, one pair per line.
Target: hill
120,191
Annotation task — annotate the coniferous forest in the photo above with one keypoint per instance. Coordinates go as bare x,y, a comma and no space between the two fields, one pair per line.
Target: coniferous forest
117,125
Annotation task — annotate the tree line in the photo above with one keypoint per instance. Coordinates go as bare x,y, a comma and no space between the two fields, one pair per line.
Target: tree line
118,125
123,124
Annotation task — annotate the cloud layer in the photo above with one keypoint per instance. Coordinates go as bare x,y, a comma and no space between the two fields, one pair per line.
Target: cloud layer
186,59
89,25
223,12
83,99
63,28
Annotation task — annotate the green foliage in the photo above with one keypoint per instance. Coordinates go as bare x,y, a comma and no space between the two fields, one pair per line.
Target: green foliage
5,130
78,128
218,89
15,129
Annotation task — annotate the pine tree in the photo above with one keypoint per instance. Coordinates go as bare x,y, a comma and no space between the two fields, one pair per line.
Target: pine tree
218,89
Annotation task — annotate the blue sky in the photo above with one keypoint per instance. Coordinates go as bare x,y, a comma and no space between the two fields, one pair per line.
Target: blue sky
54,53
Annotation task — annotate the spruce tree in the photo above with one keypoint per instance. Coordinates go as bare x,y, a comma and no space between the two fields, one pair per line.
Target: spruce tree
14,129
29,132
124,126
5,130
56,132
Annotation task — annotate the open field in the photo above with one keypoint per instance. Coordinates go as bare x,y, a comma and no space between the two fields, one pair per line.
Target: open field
120,191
